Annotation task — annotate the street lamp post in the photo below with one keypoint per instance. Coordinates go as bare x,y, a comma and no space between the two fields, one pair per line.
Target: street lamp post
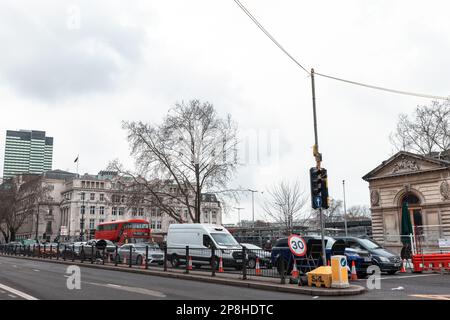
83,209
239,215
253,206
345,210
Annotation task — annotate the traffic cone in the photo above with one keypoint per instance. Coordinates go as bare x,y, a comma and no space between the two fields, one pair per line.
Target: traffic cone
402,270
354,275
220,265
294,273
190,263
257,268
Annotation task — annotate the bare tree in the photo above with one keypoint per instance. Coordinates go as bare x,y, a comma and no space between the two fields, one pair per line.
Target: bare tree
334,210
19,197
427,131
284,203
358,212
192,151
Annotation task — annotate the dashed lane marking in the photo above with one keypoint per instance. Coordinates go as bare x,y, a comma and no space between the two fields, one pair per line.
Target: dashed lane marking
17,292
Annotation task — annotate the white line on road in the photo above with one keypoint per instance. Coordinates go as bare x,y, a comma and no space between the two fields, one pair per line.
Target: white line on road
414,276
12,296
36,270
148,292
17,292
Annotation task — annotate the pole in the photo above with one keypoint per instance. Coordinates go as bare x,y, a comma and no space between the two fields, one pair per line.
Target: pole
37,222
345,210
318,158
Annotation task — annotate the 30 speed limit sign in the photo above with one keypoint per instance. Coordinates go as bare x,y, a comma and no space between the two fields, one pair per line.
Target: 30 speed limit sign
297,245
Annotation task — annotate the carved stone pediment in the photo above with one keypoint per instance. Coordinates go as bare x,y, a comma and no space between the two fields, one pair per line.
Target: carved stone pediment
405,163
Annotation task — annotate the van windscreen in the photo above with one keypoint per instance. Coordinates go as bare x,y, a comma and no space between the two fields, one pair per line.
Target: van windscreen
224,239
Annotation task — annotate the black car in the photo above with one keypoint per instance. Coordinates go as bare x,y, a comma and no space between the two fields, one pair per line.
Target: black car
386,260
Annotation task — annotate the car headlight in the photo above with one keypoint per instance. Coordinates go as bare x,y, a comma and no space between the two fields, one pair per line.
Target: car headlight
384,259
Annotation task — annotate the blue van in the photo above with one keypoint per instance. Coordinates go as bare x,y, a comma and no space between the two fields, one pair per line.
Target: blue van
313,258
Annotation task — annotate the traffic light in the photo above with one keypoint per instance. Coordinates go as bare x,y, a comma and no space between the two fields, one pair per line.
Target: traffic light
319,188
324,190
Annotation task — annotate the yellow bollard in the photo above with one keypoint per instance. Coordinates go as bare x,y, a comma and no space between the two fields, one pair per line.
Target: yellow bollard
339,272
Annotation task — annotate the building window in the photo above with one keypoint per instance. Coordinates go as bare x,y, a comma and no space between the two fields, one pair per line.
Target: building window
141,212
102,197
102,210
158,224
153,224
82,196
102,185
92,196
121,211
83,210
158,213
91,224
96,185
134,212
101,220
114,211
92,211
153,213
122,199
214,215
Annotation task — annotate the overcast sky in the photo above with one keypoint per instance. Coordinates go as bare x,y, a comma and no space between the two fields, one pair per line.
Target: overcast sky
76,69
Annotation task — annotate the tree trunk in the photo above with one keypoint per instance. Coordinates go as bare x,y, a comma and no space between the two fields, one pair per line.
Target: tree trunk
198,197
12,235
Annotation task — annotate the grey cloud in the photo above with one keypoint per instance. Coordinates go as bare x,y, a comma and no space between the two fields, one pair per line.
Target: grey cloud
45,59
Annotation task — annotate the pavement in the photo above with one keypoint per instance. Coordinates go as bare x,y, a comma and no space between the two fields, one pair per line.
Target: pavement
46,280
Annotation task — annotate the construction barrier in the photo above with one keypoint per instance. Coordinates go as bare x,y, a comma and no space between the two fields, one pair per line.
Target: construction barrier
431,262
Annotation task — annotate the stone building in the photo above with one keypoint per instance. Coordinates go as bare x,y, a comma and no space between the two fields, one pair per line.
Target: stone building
77,200
422,182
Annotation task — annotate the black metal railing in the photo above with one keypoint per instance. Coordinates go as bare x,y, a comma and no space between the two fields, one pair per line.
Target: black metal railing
243,263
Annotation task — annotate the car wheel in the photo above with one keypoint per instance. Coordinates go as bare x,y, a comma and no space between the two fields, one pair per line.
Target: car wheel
175,261
252,263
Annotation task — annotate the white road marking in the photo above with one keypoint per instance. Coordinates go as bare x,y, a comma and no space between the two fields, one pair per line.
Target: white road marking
12,296
414,276
148,292
36,270
432,296
17,292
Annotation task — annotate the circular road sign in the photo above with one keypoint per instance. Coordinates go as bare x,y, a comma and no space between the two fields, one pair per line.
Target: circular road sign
297,245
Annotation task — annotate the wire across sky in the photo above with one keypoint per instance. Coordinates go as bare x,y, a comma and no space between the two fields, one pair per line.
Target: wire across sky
264,30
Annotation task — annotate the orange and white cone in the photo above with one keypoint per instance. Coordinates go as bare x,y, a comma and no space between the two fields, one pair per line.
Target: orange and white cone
294,273
220,265
354,275
257,267
402,270
190,263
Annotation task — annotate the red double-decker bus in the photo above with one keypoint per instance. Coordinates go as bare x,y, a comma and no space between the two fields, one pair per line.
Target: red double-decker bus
124,231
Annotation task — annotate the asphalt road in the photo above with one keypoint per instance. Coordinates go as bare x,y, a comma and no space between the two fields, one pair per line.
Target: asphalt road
26,279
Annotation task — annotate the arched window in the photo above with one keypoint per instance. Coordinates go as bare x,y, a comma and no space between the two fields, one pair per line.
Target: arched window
411,199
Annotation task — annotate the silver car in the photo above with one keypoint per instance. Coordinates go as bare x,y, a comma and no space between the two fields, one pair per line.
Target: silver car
138,251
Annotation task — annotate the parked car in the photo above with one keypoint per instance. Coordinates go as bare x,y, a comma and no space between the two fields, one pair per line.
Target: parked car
313,257
138,253
386,260
95,248
201,239
254,252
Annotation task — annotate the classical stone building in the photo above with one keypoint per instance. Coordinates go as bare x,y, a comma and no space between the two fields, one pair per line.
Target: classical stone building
422,182
77,202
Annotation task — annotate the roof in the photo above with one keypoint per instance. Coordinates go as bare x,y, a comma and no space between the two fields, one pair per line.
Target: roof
440,162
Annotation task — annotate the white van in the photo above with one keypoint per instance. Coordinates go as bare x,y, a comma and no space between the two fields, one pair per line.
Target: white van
201,238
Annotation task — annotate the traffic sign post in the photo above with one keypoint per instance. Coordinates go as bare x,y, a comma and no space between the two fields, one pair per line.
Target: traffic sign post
297,245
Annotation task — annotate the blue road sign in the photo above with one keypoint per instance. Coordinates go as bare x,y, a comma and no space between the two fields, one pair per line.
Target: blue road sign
318,201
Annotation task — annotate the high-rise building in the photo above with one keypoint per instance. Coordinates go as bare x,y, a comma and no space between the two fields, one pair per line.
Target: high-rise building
27,152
